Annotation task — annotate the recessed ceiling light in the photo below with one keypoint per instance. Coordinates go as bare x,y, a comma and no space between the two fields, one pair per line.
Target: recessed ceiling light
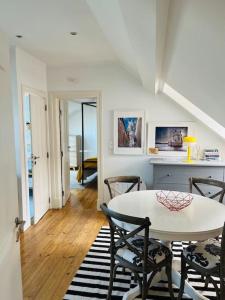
19,36
73,33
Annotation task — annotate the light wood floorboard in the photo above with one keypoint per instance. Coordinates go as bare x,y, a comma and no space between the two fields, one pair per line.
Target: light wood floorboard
52,250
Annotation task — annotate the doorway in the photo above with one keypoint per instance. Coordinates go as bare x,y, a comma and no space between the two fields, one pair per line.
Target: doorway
28,155
36,156
79,140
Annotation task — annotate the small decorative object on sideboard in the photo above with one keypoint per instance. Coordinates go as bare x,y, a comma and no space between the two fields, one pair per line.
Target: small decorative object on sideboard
211,154
153,150
174,201
189,140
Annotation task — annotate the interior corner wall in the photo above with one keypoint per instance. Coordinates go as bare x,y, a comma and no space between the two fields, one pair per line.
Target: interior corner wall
120,91
26,71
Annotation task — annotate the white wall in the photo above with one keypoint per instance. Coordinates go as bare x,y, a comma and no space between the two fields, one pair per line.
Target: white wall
120,91
27,72
75,126
90,127
194,63
90,131
10,283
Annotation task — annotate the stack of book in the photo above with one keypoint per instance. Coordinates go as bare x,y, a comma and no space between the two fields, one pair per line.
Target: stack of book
211,154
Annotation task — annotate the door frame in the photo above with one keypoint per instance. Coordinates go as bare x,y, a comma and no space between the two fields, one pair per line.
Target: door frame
23,203
63,125
54,101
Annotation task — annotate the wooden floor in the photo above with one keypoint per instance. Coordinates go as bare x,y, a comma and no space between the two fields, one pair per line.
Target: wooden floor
53,249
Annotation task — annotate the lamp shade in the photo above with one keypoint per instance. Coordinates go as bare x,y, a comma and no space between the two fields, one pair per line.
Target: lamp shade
189,139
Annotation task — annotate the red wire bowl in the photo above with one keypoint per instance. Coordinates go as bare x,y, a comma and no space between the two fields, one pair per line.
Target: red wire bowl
174,201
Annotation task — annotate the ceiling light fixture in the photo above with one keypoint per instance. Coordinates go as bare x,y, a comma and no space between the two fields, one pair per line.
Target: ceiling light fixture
19,36
73,33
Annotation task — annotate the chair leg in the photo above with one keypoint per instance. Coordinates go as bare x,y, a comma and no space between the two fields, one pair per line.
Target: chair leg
183,277
135,278
111,278
169,276
222,288
217,289
206,279
144,286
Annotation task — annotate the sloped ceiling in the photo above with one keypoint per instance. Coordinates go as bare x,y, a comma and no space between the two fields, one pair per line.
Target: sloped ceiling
131,28
194,62
177,42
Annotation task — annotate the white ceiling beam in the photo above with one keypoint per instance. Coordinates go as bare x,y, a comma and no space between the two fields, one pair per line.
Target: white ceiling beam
162,14
140,23
137,33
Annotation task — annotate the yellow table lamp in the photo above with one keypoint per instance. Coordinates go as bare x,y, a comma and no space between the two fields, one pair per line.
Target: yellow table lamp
189,140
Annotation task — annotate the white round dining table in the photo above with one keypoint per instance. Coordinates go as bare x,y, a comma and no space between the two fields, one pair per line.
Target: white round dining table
201,220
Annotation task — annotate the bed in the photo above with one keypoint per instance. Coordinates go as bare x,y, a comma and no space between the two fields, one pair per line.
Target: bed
89,167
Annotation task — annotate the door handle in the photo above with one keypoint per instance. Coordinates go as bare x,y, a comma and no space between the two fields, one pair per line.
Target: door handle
35,157
19,225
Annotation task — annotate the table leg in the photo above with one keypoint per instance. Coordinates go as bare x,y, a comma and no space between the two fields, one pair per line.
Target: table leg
176,276
133,293
188,288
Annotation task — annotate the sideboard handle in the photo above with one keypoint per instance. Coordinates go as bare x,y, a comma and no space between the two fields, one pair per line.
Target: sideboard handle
169,174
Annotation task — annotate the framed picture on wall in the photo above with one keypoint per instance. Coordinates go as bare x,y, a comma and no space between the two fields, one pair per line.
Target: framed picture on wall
168,137
129,132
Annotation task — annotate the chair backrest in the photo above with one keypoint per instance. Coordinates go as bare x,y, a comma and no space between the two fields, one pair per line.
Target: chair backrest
112,181
222,266
116,223
198,182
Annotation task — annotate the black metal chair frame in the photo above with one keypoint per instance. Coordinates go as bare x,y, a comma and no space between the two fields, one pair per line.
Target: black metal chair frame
135,180
147,266
194,181
219,271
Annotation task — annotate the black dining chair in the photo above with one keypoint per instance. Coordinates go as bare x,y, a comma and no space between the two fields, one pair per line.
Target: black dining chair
132,181
199,183
139,253
208,259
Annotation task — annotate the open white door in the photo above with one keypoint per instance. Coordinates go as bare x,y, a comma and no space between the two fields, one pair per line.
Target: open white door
64,140
39,156
10,270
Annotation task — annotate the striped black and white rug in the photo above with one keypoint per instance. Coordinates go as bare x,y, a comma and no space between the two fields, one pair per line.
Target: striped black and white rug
91,280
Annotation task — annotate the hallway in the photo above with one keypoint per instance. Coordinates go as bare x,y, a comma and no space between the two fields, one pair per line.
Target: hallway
53,250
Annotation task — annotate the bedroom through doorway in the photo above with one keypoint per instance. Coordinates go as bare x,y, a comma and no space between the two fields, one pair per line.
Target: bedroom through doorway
78,135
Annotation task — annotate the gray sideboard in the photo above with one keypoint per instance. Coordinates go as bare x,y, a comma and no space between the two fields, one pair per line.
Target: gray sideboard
174,175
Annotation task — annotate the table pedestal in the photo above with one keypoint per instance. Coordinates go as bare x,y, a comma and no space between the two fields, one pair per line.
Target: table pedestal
188,289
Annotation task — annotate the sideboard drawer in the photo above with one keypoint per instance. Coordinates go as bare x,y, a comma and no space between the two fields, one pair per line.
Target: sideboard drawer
180,175
172,187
